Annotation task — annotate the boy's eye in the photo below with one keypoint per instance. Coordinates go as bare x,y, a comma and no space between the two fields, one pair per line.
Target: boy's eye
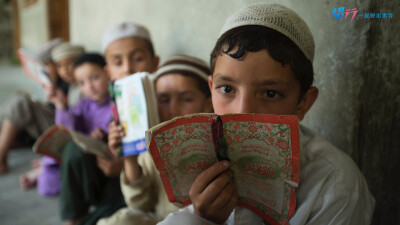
163,100
225,89
271,94
117,62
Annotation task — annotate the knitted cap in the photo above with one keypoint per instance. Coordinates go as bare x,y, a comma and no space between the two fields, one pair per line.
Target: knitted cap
124,30
44,51
66,50
184,63
276,17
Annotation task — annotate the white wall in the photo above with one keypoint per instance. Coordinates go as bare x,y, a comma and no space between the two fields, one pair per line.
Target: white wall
33,24
192,27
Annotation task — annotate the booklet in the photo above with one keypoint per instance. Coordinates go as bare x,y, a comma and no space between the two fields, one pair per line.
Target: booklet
134,106
33,67
52,143
263,151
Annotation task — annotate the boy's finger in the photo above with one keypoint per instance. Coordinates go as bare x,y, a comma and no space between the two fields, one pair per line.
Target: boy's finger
208,175
224,197
216,188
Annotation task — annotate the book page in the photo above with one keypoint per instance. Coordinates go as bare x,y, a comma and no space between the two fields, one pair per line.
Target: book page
91,145
52,142
181,151
33,68
262,163
132,111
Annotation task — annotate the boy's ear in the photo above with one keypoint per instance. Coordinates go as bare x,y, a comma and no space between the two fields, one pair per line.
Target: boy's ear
210,82
306,102
108,72
156,61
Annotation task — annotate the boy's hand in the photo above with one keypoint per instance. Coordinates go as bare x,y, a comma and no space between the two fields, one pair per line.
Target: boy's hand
98,134
56,96
110,167
213,194
115,135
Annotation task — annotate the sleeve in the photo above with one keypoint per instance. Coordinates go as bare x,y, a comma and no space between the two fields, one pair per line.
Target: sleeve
141,194
71,118
185,216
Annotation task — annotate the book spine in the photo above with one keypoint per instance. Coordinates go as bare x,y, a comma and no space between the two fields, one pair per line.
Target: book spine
114,110
220,145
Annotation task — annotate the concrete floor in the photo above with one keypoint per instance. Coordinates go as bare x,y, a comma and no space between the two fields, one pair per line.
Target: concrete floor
18,207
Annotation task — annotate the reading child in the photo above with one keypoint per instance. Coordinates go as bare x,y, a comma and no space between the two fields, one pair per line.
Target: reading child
181,89
22,115
46,174
128,49
262,63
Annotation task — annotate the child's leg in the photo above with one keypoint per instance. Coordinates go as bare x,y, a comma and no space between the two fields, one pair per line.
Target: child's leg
7,138
48,182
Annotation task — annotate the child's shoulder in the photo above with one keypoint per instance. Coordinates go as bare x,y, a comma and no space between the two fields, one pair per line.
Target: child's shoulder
320,154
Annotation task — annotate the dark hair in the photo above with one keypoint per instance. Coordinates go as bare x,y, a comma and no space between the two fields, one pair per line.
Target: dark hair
253,38
93,58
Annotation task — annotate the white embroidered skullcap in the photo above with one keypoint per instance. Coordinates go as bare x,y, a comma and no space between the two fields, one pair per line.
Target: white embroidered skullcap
184,63
276,17
66,50
124,30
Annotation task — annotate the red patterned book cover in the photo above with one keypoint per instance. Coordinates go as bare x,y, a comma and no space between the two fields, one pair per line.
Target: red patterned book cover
263,151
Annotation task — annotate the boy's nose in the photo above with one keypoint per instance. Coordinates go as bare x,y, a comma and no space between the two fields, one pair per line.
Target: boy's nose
246,104
128,68
174,109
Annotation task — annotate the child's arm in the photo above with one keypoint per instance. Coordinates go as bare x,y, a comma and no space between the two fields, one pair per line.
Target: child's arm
131,167
213,193
56,96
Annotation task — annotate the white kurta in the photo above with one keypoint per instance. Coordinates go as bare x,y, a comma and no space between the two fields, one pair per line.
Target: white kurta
332,190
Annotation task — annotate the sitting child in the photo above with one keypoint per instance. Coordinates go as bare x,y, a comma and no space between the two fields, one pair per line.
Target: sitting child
46,175
23,116
181,89
262,63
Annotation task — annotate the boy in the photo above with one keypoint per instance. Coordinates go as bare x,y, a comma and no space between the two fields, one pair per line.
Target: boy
44,174
128,49
262,63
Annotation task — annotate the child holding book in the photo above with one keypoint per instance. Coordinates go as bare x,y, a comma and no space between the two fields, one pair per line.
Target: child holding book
46,174
23,117
128,49
262,63
181,89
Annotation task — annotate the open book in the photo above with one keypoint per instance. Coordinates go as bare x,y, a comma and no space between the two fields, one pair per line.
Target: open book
134,106
52,143
33,67
263,151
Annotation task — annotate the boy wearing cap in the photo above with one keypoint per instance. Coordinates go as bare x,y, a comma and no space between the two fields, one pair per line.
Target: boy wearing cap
128,49
47,175
181,89
22,113
262,63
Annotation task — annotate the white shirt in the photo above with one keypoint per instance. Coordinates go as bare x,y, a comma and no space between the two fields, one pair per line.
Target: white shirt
332,190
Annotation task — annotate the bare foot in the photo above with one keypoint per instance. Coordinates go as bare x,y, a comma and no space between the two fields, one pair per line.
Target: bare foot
28,180
72,222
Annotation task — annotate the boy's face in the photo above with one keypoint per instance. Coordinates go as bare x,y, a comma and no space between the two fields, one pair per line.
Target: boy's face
92,81
51,70
257,84
127,56
179,95
65,69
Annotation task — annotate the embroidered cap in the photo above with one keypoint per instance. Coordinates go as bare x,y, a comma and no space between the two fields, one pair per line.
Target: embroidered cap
66,50
124,30
276,17
184,63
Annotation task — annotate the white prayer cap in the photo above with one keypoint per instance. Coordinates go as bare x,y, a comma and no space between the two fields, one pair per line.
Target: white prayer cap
124,30
184,64
66,50
44,51
276,17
